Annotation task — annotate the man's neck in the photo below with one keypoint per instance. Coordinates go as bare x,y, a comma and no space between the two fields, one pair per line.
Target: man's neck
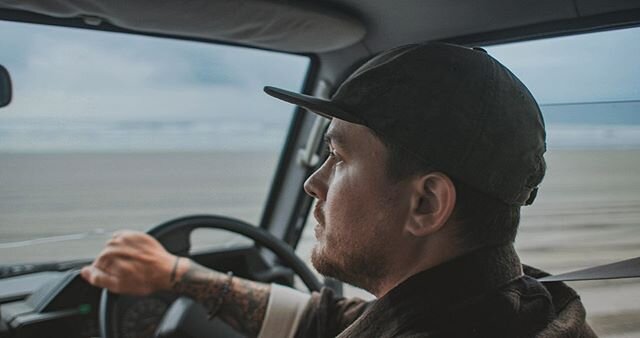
418,258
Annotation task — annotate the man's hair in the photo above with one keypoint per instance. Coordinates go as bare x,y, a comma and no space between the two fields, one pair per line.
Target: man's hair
482,219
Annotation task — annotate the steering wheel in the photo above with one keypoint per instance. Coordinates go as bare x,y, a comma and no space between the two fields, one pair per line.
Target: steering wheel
175,236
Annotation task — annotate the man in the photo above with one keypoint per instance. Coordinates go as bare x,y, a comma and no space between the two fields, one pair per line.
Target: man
433,149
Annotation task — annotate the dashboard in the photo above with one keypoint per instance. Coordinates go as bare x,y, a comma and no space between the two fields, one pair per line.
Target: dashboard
63,304
59,302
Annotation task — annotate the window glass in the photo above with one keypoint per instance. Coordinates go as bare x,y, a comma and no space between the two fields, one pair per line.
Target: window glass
110,131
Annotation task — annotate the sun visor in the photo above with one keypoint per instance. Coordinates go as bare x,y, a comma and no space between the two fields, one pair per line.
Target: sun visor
282,25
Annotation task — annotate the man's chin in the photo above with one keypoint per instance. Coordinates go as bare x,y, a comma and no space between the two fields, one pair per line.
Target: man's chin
364,273
323,264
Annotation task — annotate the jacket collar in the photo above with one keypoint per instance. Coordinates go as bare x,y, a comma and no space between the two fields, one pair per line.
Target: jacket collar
452,283
463,277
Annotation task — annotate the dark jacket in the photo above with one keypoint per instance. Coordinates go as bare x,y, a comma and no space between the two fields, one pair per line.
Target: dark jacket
482,294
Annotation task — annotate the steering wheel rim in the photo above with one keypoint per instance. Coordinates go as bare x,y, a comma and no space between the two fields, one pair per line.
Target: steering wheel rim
175,236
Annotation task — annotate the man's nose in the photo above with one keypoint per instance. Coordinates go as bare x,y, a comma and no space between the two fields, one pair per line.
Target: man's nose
316,186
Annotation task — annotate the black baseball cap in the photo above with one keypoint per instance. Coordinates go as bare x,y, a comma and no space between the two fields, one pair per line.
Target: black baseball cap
456,108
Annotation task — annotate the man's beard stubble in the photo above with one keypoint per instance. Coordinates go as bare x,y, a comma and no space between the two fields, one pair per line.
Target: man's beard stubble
361,267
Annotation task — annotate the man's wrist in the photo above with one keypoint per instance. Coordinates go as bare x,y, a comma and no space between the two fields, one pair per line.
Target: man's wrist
173,270
239,302
172,278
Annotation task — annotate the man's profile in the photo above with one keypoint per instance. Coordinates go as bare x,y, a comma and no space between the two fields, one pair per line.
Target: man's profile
433,149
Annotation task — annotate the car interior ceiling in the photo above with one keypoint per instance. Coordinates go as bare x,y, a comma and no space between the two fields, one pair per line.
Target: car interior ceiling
324,27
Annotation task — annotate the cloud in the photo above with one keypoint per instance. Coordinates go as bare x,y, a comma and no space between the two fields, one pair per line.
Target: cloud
78,74
588,67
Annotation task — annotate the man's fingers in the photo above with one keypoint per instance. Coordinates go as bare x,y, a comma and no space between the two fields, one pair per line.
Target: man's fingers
124,269
130,263
133,239
118,263
100,278
115,253
116,282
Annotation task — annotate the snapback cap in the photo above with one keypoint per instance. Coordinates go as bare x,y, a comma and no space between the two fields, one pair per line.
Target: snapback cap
456,108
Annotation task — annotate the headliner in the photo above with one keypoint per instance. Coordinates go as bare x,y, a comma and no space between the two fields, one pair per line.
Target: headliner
325,26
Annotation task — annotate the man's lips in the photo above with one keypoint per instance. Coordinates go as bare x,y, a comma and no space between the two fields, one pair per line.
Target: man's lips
317,214
318,231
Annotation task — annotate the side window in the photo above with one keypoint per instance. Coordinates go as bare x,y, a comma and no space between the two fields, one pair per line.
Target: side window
110,131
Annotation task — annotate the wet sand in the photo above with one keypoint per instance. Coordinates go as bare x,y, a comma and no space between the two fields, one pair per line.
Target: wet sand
587,212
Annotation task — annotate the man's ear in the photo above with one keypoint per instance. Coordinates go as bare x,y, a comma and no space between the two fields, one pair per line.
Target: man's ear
432,203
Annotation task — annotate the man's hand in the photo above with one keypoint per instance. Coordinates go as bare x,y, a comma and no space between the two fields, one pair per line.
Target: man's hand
132,263
135,263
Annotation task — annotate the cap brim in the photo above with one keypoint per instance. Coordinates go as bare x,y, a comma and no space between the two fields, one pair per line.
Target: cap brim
314,104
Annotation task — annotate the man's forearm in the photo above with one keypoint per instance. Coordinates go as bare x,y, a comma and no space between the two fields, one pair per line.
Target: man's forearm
244,306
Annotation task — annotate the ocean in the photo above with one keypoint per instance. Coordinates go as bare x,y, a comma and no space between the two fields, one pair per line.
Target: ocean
139,136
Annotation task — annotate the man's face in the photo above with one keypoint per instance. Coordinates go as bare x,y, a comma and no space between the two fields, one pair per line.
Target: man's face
360,211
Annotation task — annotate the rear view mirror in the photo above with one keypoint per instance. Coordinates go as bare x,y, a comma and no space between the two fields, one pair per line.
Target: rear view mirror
5,87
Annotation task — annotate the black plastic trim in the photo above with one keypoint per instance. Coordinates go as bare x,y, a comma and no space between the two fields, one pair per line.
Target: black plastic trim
6,88
289,150
302,208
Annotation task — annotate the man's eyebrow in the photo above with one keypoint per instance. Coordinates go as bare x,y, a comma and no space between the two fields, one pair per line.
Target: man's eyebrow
332,137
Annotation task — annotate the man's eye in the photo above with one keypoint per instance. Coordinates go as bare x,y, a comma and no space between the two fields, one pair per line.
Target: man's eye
332,154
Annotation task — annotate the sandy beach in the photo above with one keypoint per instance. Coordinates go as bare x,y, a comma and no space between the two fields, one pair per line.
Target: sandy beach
49,196
587,212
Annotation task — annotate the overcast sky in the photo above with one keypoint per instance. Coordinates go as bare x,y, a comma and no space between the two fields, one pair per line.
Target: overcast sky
589,67
151,79
148,78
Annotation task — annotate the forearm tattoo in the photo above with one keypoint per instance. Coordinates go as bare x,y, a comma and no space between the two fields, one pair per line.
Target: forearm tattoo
245,305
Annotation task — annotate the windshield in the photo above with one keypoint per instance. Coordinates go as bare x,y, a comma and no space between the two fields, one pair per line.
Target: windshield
110,131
